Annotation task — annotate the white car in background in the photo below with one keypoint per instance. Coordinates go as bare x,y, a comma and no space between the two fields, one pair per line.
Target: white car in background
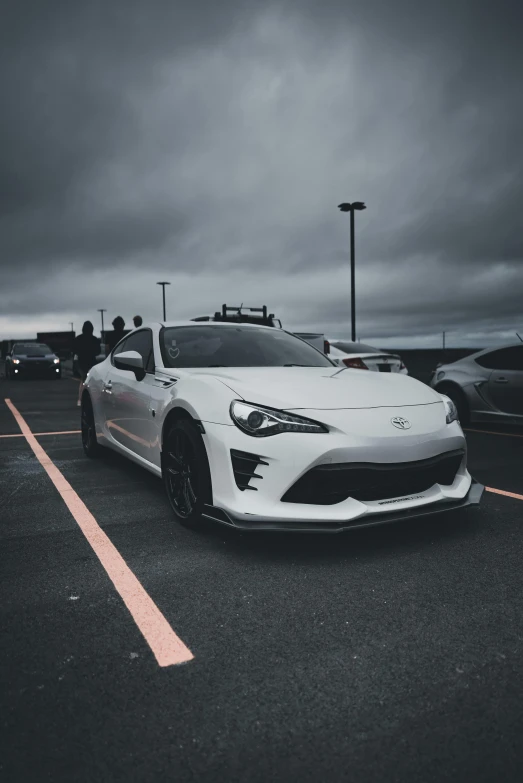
360,356
254,428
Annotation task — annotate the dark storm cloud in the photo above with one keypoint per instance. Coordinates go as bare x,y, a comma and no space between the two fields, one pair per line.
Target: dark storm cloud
65,73
219,137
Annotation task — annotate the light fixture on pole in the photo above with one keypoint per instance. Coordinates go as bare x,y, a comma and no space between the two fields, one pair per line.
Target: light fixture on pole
163,284
359,205
102,310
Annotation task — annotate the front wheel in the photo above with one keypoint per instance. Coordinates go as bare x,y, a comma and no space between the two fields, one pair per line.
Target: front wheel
89,441
186,473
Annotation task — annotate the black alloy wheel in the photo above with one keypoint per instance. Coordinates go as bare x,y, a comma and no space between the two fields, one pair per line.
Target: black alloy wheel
89,442
186,472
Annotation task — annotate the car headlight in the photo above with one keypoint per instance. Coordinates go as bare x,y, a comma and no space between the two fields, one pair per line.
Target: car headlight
260,422
450,409
56,361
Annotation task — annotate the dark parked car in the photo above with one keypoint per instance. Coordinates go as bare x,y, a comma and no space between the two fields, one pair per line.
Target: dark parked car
32,360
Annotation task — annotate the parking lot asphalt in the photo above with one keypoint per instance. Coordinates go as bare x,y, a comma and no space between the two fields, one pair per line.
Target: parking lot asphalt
388,654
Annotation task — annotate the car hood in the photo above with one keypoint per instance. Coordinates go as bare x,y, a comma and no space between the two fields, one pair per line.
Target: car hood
321,388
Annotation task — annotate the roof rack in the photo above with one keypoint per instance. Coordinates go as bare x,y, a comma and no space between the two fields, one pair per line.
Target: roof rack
242,315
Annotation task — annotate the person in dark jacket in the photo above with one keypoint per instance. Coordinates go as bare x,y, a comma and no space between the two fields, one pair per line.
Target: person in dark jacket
114,337
87,348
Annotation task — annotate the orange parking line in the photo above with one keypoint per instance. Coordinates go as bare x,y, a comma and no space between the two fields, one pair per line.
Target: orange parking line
38,434
167,647
63,432
489,432
503,492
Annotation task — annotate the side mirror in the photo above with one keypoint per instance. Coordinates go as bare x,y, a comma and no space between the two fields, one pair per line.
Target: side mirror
131,361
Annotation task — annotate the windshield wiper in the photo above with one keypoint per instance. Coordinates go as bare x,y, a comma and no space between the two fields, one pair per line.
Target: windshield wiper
302,365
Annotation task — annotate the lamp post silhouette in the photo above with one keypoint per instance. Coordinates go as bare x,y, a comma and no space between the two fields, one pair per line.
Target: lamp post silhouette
102,310
356,205
163,284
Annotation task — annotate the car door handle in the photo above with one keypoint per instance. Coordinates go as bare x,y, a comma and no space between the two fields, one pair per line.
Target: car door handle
107,387
500,380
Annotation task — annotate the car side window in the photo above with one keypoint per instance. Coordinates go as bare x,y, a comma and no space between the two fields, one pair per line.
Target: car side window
142,342
504,359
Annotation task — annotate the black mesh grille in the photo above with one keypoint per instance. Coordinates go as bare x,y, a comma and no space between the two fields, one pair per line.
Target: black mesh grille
325,485
244,467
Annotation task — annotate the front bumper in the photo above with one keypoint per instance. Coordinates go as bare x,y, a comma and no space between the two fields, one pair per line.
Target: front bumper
36,370
444,505
359,436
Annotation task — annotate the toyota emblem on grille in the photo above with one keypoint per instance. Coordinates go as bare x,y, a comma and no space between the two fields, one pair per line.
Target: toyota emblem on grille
400,423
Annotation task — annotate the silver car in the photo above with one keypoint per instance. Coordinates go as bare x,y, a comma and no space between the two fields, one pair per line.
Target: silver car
485,386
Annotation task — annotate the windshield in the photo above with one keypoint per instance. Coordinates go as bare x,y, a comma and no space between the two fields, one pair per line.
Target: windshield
31,350
348,347
236,346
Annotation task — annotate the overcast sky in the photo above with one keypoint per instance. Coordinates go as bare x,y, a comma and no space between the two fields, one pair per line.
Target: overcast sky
209,143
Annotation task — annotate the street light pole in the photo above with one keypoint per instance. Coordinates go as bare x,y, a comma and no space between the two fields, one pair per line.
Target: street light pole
359,205
102,310
352,279
163,284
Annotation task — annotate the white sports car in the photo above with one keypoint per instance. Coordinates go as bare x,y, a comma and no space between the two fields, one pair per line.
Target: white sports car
252,427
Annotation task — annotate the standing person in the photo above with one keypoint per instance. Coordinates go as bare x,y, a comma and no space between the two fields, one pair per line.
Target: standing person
137,321
115,336
87,348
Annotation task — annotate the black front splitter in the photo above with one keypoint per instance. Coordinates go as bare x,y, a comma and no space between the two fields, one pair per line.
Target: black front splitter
471,499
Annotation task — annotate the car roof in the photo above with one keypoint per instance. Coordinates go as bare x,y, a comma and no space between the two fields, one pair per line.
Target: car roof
491,350
214,324
483,352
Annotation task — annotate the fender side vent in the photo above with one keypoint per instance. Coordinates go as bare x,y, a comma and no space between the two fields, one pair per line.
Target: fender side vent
244,467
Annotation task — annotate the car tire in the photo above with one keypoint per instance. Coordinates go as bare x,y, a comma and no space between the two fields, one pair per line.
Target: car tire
459,400
90,444
186,473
